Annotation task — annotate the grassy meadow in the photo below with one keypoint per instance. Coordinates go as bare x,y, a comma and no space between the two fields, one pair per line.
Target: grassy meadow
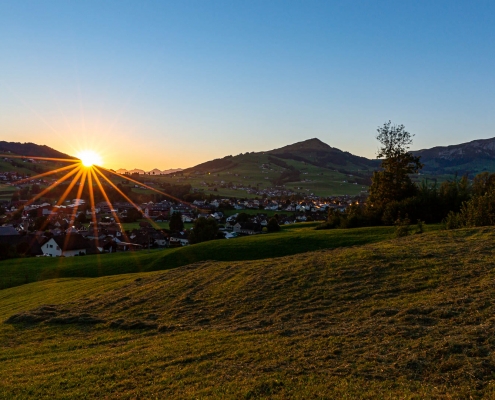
292,239
405,318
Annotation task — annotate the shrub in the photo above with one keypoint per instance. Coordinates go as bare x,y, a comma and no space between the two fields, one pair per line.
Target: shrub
402,227
452,221
420,227
273,225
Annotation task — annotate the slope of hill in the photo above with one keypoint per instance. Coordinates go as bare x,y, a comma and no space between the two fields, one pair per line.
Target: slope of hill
26,166
31,149
471,158
311,151
407,318
298,238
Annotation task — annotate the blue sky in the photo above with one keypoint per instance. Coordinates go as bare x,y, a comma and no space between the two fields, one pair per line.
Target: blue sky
172,84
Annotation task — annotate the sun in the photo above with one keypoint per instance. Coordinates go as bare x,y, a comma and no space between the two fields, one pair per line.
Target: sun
89,158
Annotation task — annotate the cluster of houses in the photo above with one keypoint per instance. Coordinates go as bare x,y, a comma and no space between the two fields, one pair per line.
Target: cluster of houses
60,238
12,176
64,233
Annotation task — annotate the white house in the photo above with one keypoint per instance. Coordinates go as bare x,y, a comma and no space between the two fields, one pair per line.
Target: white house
65,246
175,241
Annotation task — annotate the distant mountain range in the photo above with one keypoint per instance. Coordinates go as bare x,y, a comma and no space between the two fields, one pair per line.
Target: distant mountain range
466,158
154,171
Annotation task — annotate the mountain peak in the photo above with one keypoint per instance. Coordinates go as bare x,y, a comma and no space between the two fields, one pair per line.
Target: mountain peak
309,144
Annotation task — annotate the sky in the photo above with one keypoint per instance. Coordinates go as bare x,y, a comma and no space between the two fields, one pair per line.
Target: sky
172,84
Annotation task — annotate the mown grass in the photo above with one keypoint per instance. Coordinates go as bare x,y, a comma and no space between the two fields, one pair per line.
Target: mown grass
408,318
292,239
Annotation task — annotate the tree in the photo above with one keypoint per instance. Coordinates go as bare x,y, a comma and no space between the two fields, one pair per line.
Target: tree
176,224
393,182
204,229
273,225
242,217
133,215
40,223
81,218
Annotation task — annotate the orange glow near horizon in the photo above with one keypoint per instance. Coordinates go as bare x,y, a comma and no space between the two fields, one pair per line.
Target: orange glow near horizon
86,174
89,158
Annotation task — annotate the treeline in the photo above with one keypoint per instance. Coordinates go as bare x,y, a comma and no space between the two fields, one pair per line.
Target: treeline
457,204
479,210
427,203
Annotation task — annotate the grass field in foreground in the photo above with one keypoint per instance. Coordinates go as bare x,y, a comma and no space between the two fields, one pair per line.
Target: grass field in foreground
297,238
408,318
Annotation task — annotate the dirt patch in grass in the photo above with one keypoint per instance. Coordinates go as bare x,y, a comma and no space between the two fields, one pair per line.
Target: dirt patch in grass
54,315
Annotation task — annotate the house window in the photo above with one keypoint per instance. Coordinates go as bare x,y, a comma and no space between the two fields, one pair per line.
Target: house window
51,246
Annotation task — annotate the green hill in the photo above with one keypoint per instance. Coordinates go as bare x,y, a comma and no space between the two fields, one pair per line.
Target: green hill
469,158
31,150
295,239
405,318
308,167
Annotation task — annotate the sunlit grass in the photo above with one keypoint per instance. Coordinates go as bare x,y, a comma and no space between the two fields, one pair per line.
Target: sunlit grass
405,318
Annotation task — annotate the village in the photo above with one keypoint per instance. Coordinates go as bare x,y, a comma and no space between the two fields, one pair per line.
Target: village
74,228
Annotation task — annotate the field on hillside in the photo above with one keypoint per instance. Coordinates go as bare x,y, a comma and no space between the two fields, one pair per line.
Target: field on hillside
404,318
6,191
297,238
247,171
29,168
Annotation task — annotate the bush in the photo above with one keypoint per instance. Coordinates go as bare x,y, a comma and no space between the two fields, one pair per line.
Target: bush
420,227
204,229
479,211
452,221
402,227
273,225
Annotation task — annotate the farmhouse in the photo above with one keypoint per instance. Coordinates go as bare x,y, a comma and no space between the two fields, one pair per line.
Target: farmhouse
247,228
65,246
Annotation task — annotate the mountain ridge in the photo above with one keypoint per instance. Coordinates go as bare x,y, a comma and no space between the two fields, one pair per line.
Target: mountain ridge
32,149
464,158
468,158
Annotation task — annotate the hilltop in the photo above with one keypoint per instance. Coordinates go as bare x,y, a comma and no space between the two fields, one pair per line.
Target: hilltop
31,149
405,318
315,152
311,151
308,167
